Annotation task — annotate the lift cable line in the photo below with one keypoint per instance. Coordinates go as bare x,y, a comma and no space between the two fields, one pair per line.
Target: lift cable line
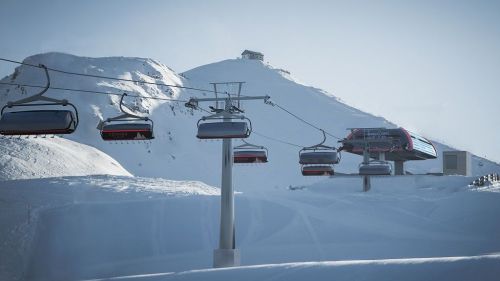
169,85
88,91
114,78
277,140
154,98
301,119
165,99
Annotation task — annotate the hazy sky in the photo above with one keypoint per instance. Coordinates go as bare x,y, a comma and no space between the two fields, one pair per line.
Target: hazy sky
431,66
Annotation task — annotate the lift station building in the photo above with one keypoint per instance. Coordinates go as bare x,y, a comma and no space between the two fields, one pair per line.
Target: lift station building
457,163
398,145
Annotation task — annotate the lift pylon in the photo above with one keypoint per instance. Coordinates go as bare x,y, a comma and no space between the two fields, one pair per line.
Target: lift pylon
226,255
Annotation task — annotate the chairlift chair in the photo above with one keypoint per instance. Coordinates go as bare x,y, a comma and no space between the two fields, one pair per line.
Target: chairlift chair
219,127
318,157
249,153
318,170
319,154
39,121
375,168
318,160
126,127
127,131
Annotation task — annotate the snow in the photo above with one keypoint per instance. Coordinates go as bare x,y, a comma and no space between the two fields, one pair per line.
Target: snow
176,153
447,268
70,210
53,157
76,228
44,221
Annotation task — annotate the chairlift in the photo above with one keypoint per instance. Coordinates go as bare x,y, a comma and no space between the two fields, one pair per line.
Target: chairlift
126,127
375,168
319,154
39,121
318,170
318,160
219,126
249,153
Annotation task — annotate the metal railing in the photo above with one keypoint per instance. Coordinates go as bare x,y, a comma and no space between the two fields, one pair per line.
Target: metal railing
484,180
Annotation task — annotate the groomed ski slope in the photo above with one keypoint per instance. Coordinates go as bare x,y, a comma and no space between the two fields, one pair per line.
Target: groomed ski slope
120,227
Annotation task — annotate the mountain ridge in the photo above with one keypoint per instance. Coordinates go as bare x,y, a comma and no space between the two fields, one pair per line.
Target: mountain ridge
176,153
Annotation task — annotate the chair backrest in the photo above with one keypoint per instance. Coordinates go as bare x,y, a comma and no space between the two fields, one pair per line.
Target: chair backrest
222,130
37,122
318,157
375,169
250,156
317,171
127,131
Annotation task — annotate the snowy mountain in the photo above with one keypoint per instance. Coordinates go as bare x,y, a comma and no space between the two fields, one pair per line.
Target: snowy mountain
162,224
176,153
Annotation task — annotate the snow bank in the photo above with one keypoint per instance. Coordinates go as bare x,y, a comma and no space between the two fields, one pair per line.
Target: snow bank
53,157
103,227
486,267
57,228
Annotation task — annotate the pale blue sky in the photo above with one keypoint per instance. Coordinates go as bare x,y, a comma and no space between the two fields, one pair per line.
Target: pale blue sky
432,66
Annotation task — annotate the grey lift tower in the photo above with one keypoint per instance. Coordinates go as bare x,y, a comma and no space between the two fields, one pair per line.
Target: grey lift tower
226,255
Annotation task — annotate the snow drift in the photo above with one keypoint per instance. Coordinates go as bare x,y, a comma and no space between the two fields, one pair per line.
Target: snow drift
100,227
53,157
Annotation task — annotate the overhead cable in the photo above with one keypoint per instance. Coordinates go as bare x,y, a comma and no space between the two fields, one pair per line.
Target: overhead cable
113,78
89,91
301,119
277,140
150,83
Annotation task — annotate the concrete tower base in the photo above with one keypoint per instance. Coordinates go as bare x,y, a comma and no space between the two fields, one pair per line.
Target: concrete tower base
226,258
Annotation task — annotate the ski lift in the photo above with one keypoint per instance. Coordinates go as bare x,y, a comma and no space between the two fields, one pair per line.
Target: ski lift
319,154
128,127
220,126
318,160
375,168
39,121
318,170
249,153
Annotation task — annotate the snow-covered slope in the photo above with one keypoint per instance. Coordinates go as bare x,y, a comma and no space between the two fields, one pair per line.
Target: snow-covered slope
485,267
176,153
315,105
97,227
89,219
94,107
53,157
73,228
